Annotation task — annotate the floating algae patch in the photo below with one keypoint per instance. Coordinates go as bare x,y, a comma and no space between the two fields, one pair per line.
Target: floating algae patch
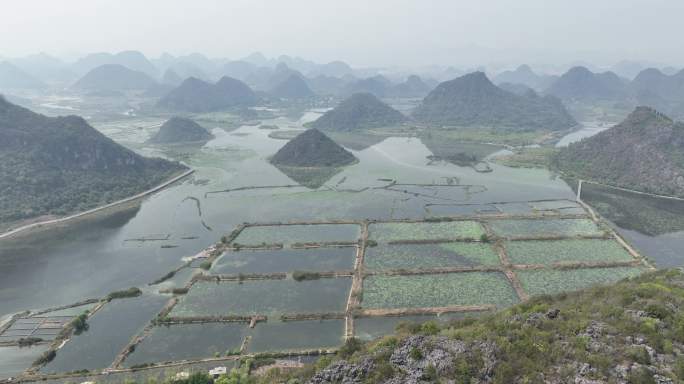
110,329
370,328
565,251
286,260
440,210
555,205
546,228
384,232
277,336
15,360
418,291
188,342
291,234
264,297
434,255
544,282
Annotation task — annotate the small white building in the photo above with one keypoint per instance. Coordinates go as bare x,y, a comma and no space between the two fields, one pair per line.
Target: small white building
217,371
183,375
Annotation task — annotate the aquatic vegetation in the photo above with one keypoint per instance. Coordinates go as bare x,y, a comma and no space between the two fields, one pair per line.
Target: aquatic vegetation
541,228
290,234
384,232
546,281
570,250
471,288
264,297
435,255
286,260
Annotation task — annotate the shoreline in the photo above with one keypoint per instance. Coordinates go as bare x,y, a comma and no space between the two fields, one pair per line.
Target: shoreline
62,220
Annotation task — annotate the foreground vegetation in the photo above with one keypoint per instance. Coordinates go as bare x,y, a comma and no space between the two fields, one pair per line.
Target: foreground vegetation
631,332
628,332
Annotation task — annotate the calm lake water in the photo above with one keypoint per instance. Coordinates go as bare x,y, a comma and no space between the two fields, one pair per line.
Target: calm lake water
92,258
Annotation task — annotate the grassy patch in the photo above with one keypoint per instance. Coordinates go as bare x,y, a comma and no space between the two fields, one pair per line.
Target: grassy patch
527,158
264,297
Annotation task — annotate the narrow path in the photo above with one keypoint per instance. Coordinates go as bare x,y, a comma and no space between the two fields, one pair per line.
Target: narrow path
98,209
579,191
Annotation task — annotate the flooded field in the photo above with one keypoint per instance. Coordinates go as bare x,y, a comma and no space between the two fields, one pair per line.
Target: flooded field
385,210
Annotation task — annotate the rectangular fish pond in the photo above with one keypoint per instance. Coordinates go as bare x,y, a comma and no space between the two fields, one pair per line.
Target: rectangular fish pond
546,228
109,331
188,342
285,260
264,297
565,251
433,255
296,335
450,230
292,234
549,281
442,290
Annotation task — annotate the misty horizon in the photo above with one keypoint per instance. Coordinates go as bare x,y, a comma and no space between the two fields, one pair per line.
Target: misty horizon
382,34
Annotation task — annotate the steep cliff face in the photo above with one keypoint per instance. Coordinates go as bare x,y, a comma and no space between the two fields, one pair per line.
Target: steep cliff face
645,152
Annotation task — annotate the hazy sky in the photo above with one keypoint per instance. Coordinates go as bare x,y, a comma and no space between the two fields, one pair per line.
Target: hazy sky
362,32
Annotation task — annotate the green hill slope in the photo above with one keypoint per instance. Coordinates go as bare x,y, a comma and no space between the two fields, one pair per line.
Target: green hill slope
62,165
644,152
358,112
474,101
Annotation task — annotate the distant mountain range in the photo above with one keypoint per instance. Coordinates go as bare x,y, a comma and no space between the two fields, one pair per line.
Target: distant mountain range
194,95
114,77
358,112
61,165
133,60
11,77
180,130
525,76
581,84
474,101
644,152
294,87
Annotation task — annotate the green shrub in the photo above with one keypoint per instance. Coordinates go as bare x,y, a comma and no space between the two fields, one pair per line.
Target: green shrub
130,292
350,346
416,354
305,275
206,265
